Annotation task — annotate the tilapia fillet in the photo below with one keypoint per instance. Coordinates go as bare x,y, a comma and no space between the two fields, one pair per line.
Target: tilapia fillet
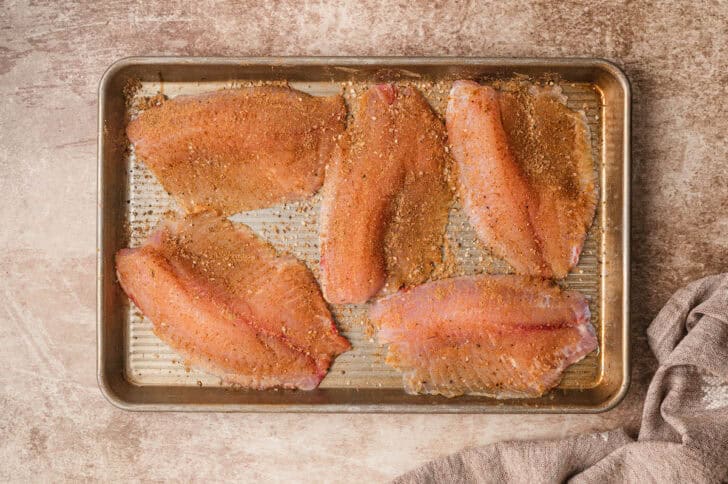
526,174
385,198
504,336
239,149
231,305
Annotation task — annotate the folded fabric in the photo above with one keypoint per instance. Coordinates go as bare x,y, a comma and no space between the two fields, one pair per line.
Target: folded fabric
684,431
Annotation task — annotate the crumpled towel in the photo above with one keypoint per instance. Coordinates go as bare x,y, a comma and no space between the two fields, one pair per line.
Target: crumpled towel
683,436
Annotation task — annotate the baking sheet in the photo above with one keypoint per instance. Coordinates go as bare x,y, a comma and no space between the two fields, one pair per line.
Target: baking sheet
149,363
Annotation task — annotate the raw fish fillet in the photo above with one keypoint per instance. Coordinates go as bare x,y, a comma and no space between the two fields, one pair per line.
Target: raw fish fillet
239,149
385,198
504,336
526,174
227,302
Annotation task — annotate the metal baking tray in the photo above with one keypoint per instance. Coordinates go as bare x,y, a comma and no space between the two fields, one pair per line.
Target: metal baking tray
136,371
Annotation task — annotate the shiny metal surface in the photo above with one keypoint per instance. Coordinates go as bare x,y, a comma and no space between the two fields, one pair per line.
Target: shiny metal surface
137,371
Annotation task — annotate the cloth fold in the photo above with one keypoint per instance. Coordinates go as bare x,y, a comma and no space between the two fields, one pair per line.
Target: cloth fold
683,435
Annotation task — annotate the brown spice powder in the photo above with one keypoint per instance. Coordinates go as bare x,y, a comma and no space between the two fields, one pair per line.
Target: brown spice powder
541,134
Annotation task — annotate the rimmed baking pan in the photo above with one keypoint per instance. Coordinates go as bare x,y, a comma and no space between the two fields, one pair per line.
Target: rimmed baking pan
136,371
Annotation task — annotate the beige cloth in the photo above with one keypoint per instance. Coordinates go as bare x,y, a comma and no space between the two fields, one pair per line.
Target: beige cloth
684,433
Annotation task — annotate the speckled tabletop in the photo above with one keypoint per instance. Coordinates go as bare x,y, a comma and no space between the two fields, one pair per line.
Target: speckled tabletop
56,424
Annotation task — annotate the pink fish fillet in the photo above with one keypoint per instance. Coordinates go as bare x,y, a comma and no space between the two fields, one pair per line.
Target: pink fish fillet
526,174
503,336
385,198
227,302
239,149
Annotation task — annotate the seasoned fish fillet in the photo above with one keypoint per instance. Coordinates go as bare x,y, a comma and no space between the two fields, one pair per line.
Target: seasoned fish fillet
227,302
526,174
239,149
503,336
386,198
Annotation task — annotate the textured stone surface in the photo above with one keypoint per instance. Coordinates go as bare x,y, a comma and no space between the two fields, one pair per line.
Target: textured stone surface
55,422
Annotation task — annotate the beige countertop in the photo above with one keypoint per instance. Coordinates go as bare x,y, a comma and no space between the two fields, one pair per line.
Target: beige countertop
56,424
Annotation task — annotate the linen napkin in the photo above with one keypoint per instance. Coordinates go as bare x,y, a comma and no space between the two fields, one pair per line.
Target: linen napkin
684,430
